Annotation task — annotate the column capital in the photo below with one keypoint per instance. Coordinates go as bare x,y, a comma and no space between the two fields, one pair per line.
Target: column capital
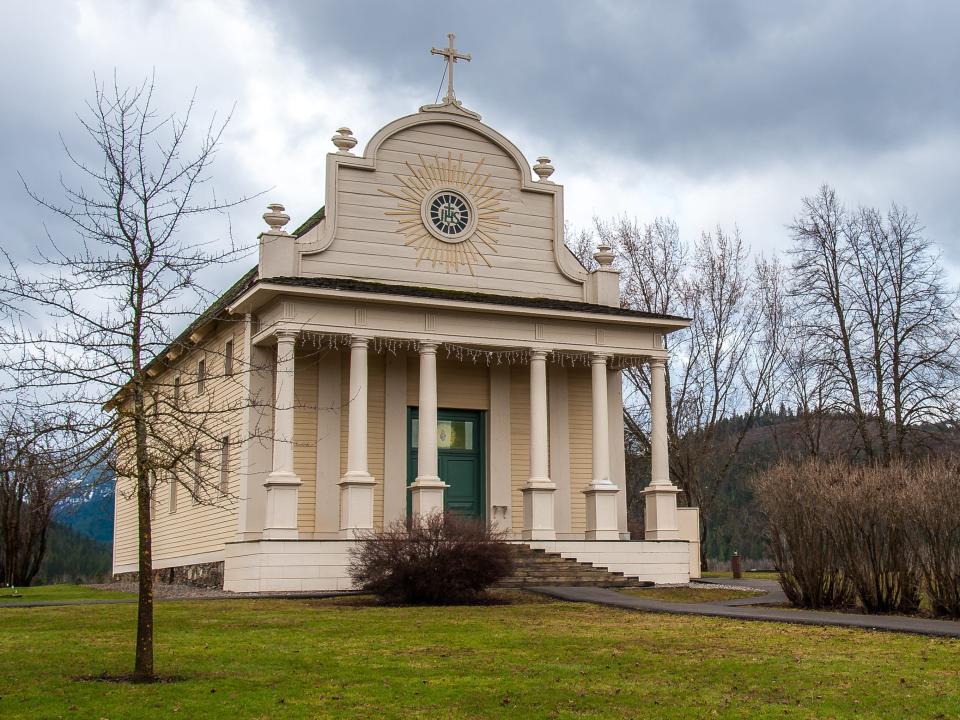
357,341
599,358
658,362
428,346
286,335
536,354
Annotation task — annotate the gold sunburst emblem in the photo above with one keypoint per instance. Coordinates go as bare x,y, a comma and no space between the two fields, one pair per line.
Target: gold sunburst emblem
448,212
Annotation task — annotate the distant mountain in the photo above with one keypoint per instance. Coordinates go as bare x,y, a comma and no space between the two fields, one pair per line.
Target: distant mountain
89,512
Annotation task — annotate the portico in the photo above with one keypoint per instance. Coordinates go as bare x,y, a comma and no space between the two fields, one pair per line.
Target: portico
537,343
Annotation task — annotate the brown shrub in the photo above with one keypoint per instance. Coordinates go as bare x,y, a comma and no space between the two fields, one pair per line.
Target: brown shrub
934,513
796,500
884,534
871,531
436,560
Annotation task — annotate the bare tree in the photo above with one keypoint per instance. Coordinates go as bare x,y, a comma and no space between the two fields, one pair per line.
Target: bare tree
723,367
97,318
38,454
821,263
870,293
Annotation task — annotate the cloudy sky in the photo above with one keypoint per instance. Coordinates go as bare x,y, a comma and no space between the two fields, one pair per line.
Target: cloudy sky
709,112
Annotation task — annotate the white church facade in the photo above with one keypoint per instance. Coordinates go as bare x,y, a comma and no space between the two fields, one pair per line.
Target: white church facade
425,342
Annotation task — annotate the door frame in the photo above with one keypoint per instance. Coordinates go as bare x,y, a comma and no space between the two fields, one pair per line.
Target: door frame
479,417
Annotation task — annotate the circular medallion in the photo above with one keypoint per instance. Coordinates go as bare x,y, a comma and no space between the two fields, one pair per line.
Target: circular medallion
448,215
446,435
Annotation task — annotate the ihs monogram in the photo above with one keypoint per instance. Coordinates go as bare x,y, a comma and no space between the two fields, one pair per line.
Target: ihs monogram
448,212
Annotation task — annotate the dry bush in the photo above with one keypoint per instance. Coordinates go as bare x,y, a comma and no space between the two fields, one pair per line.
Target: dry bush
871,528
436,560
934,513
796,500
884,534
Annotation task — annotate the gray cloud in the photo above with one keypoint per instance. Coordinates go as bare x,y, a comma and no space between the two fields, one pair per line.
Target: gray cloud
861,94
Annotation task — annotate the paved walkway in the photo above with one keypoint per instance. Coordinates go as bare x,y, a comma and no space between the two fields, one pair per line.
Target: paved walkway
746,609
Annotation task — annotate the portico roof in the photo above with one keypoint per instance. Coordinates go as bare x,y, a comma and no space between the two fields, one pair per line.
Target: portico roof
431,293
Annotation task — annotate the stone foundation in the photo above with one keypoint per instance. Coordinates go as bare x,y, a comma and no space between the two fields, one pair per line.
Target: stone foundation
205,575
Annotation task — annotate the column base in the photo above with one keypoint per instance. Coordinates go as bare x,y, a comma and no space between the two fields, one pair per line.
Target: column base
282,488
539,521
660,512
427,496
602,523
356,504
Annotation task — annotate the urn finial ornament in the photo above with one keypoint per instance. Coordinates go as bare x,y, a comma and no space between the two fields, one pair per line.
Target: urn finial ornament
276,218
344,140
604,256
544,169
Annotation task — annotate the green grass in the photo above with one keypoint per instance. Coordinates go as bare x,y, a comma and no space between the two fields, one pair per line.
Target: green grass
689,595
760,575
274,660
59,592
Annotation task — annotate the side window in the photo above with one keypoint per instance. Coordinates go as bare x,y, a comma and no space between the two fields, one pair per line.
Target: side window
228,358
197,468
224,465
173,492
201,376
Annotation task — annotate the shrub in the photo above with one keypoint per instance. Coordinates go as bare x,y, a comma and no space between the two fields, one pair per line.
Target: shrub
871,531
436,560
795,498
934,512
884,534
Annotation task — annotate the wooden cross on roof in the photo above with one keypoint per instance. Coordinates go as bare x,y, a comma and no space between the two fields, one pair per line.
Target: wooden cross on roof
452,55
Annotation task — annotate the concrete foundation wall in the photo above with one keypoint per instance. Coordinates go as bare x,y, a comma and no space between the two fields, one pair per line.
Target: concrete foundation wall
321,565
287,565
660,561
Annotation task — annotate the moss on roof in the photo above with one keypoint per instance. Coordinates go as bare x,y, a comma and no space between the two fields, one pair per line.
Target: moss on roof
216,308
311,222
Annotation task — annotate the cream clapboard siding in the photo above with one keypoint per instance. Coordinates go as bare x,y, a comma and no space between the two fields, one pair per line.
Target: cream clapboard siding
305,435
580,401
195,528
460,385
376,396
520,434
369,245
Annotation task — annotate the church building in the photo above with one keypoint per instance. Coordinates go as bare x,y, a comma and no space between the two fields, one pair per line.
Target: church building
424,342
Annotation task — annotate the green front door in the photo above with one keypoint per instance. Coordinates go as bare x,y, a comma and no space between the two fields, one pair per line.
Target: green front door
460,456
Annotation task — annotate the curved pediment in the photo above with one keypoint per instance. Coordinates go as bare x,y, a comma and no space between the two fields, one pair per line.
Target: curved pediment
439,199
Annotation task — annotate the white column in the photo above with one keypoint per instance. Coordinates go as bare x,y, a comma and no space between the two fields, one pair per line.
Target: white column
356,486
601,494
660,496
282,483
427,489
538,500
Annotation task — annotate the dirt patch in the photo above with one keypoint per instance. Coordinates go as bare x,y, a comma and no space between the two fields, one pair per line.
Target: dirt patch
166,591
128,678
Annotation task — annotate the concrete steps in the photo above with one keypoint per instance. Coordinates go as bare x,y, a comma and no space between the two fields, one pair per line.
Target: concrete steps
538,568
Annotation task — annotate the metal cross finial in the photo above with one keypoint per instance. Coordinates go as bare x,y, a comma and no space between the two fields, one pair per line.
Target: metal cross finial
452,55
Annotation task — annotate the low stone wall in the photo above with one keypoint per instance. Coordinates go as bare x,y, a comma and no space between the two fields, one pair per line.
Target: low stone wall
205,575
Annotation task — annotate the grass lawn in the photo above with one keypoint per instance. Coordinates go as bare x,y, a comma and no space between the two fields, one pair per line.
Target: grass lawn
689,595
59,592
273,659
759,575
